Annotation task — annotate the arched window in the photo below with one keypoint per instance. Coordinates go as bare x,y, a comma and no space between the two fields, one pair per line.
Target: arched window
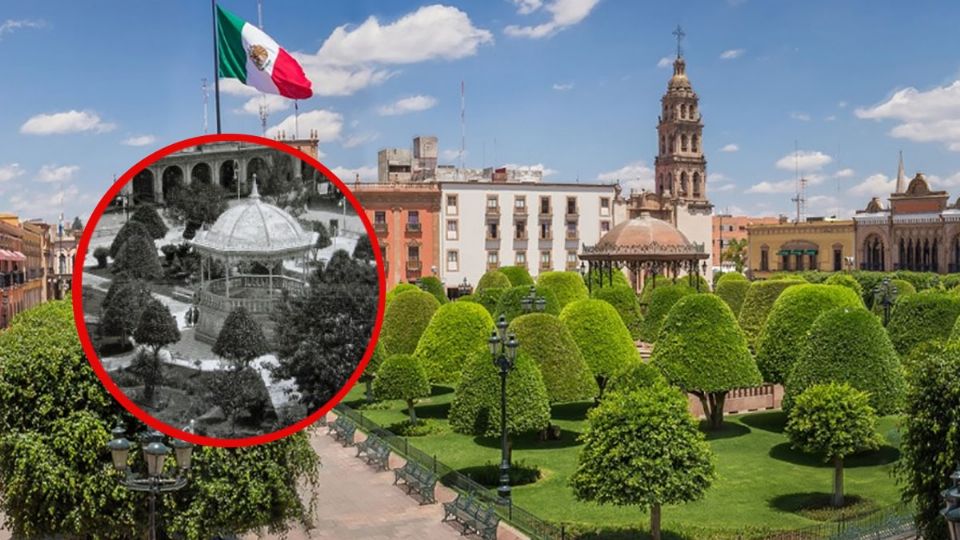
63,263
693,112
670,182
662,145
683,183
683,111
673,146
694,143
696,184
683,143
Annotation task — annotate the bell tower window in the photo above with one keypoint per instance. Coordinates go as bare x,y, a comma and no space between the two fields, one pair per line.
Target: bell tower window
695,143
683,143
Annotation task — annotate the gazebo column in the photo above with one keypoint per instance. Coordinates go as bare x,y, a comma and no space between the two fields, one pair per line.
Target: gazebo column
270,278
226,274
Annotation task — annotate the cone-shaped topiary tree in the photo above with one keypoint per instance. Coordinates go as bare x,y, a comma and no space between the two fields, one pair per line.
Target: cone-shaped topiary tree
518,275
849,345
402,377
733,292
925,316
404,321
603,339
510,301
489,298
138,259
547,340
363,249
148,215
702,350
493,279
625,301
845,280
370,372
643,449
241,339
456,330
122,307
635,376
567,286
434,286
661,300
128,231
784,335
399,289
476,403
757,304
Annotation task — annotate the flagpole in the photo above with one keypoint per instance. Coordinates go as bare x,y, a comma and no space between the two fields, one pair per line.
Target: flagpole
296,118
216,62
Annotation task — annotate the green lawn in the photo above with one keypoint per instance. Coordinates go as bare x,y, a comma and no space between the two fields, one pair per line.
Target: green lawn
761,480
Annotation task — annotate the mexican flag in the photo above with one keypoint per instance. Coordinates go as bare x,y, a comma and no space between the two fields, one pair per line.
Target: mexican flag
253,57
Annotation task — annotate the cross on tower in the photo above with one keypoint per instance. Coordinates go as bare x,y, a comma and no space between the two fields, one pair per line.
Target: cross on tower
680,34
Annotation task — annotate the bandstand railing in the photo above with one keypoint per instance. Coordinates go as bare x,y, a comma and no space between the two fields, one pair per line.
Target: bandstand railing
214,292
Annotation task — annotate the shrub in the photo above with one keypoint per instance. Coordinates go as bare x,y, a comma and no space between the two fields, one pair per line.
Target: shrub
868,280
950,281
566,375
456,330
363,249
625,301
518,275
849,345
730,276
595,282
783,337
129,230
733,292
920,280
922,317
101,253
147,214
400,288
323,238
241,339
635,376
138,259
702,350
476,403
903,287
509,303
402,377
757,304
845,280
603,339
661,300
568,286
489,298
405,320
122,307
434,286
493,279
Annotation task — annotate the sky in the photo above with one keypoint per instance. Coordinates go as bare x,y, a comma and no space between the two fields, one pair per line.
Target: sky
569,86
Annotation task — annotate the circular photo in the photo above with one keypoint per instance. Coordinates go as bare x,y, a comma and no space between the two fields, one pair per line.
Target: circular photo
231,289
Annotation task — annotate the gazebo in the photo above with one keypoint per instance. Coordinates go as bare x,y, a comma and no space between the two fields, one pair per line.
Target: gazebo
644,245
252,231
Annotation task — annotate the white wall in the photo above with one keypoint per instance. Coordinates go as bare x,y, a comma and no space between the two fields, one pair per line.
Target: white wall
697,226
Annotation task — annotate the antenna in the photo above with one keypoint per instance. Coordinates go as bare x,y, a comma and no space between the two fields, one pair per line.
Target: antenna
206,97
260,14
463,123
800,198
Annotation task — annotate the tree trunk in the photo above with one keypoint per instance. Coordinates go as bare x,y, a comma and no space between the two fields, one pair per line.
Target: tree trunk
369,384
837,482
413,412
655,522
716,417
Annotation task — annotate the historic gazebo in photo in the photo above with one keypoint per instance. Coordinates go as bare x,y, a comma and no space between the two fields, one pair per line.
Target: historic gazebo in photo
647,246
256,232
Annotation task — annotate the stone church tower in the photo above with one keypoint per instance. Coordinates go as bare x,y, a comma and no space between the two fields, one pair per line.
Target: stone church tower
681,169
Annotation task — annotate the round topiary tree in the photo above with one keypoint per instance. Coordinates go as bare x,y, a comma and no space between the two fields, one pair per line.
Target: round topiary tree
402,377
635,376
456,330
903,287
434,286
662,299
625,301
518,275
730,276
849,345
476,403
733,292
241,339
399,289
128,231
138,259
568,286
783,337
601,336
757,305
489,298
493,279
702,350
920,317
845,280
100,254
565,373
510,305
148,215
405,320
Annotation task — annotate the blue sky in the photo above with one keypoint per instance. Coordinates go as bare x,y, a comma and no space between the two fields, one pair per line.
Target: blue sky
572,86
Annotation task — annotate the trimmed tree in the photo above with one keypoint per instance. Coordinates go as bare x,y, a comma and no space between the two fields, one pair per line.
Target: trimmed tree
925,316
784,335
122,306
757,305
661,300
492,279
565,373
601,336
156,329
489,298
200,202
845,280
518,275
476,403
363,250
702,350
405,320
323,238
370,372
402,377
399,289
241,339
849,345
730,276
434,286
148,215
834,420
138,259
567,286
635,376
643,449
733,292
129,230
509,302
100,254
456,330
625,301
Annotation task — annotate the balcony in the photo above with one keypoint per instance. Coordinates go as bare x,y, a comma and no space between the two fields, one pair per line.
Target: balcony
493,211
520,211
492,265
546,211
573,235
380,228
546,236
413,227
572,213
414,265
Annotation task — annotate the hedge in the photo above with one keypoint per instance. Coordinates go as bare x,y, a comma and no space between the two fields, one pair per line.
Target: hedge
434,286
625,301
400,288
148,215
661,299
784,335
849,345
730,276
476,403
566,375
456,330
925,316
489,298
757,305
568,286
733,292
518,275
405,320
845,280
493,279
634,376
603,339
509,303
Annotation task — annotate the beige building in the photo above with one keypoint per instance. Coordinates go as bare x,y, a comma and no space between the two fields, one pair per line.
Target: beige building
816,244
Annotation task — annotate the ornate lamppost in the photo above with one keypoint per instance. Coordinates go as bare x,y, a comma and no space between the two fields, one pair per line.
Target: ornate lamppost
952,511
503,348
885,293
6,304
533,303
464,288
155,453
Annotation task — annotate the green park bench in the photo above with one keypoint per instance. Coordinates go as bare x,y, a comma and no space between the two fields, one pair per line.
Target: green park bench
374,451
473,516
342,430
416,478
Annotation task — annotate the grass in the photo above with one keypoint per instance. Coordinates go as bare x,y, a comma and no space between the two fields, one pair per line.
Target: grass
763,484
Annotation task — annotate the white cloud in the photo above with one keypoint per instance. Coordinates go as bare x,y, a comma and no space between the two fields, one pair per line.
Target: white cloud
57,173
806,160
272,102
730,148
139,140
844,173
632,176
10,26
875,185
723,187
65,122
930,116
842,104
331,80
563,14
368,173
666,61
537,167
236,88
801,116
525,7
327,124
407,105
731,54
782,186
359,138
561,87
10,171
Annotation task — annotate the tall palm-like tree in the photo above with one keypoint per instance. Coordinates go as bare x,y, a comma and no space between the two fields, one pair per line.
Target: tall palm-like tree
736,253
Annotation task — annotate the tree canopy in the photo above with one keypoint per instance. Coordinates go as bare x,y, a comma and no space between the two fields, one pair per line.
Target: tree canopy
661,300
456,330
434,286
601,336
148,215
518,275
241,339
510,301
129,230
925,316
138,259
492,279
757,304
625,301
567,286
402,377
565,372
733,292
405,320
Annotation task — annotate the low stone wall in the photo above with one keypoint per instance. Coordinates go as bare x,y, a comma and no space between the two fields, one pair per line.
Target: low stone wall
760,398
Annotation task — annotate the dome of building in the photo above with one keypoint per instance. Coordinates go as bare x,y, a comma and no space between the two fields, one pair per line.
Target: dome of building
679,81
643,232
918,186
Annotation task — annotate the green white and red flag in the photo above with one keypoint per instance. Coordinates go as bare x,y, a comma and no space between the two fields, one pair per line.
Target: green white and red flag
248,54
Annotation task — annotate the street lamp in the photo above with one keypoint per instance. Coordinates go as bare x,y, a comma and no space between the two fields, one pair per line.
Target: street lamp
464,288
503,348
952,511
236,176
886,294
533,303
6,304
155,454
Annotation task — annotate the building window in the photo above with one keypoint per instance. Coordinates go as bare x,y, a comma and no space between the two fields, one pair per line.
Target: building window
521,258
545,259
413,253
571,257
451,204
453,232
493,258
545,230
604,226
493,232
813,262
520,203
413,221
764,260
453,261
604,206
545,205
571,205
799,261
380,217
521,229
785,263
837,259
492,201
571,230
